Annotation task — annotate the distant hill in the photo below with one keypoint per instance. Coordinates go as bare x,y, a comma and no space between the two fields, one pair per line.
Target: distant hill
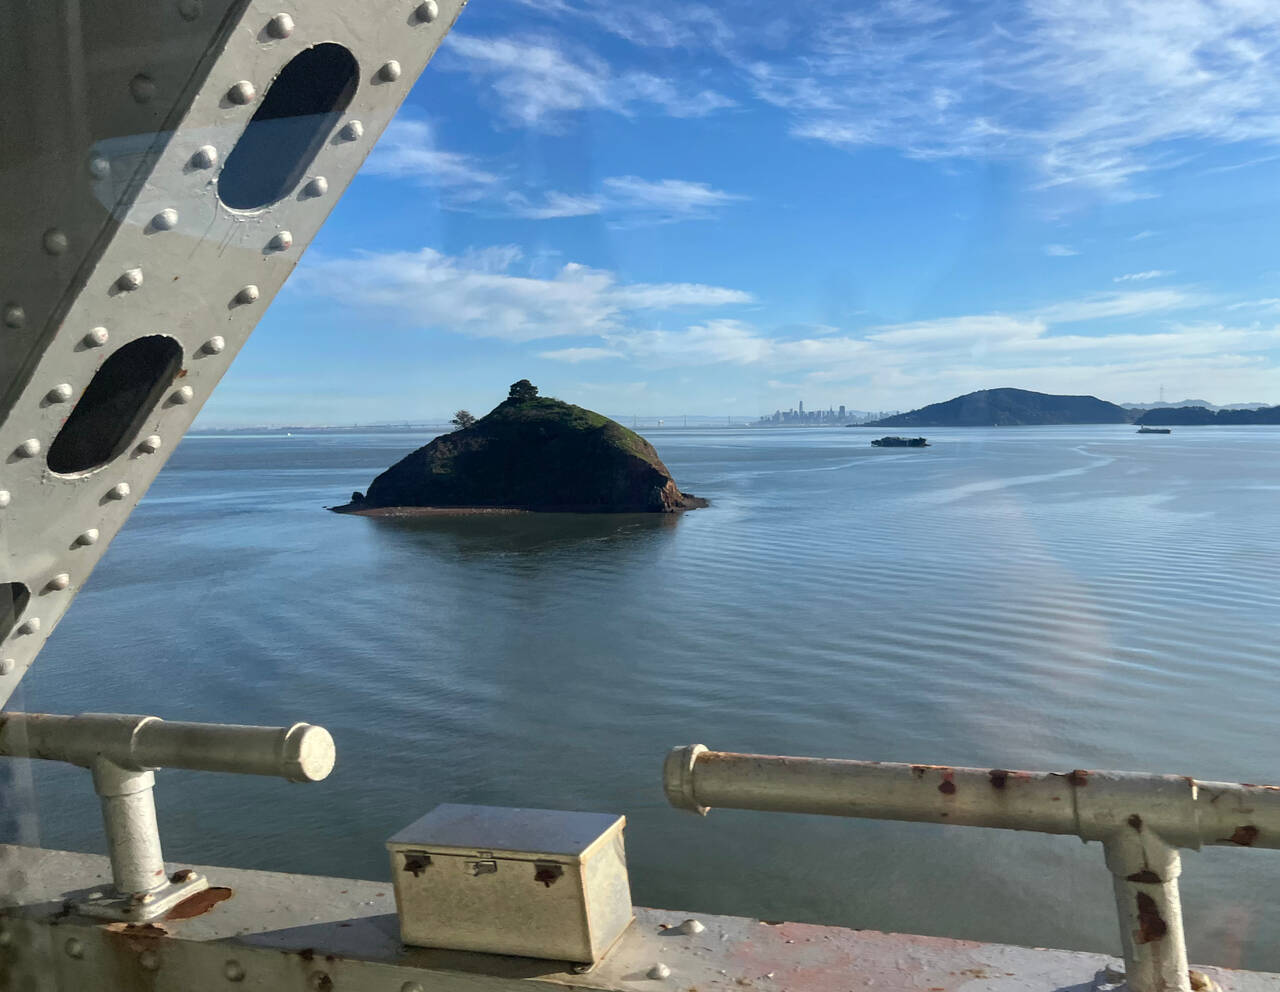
1192,415
1204,403
1011,407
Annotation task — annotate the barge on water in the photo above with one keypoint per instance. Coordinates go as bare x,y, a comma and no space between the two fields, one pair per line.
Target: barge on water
1154,430
900,442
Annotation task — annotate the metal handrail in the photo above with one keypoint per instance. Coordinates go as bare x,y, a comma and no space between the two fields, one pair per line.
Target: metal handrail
1141,821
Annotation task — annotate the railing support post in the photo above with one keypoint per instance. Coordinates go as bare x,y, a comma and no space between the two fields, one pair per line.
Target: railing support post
1145,871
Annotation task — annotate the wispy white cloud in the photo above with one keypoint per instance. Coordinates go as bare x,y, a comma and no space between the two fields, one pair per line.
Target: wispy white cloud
537,82
1142,235
491,293
1060,251
630,199
408,150
1143,276
1090,94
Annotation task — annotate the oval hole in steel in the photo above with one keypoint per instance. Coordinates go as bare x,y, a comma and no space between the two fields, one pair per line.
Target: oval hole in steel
294,118
115,404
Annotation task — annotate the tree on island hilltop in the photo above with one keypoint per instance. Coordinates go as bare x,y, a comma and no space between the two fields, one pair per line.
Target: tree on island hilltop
522,392
463,419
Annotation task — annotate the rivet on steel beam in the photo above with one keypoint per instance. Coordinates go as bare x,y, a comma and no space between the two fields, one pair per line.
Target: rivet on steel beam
205,157
87,538
55,242
234,971
99,167
390,71
96,338
59,393
659,971
5,498
189,10
215,345
119,491
249,294
352,131
183,394
149,960
242,92
412,987
7,665
143,88
427,11
280,26
59,582
320,981
319,186
28,448
150,444
14,316
690,927
282,241
31,626
74,948
165,220
130,280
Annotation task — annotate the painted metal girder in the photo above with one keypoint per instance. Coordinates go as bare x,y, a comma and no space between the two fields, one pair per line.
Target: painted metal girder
164,165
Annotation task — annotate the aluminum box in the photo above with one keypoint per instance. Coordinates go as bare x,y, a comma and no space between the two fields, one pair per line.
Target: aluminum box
531,882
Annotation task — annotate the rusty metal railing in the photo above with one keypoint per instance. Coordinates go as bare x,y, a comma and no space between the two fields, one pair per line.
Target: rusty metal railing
1141,821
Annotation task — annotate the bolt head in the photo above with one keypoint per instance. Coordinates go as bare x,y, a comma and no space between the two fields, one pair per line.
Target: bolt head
249,294
390,71
242,93
352,131
165,220
55,242
99,167
59,582
182,875
318,186
205,157
29,448
74,948
142,88
150,444
282,241
119,491
7,665
234,971
280,26
5,498
183,395
189,10
427,11
96,338
59,393
14,316
87,538
216,345
149,960
659,971
129,280
31,626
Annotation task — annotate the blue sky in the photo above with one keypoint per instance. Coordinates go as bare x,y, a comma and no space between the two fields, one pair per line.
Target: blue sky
725,209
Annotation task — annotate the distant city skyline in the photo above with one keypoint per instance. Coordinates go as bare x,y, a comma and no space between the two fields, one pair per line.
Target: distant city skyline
899,202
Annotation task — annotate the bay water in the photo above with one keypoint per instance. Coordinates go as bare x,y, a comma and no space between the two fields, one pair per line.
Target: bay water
1046,598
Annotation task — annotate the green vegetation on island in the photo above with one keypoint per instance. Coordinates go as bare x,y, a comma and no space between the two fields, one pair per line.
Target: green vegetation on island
1199,415
531,452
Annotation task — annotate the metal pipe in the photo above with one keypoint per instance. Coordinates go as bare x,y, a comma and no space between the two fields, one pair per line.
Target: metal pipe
300,753
1141,820
123,750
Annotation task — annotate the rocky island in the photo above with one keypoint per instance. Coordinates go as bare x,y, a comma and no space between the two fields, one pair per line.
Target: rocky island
530,453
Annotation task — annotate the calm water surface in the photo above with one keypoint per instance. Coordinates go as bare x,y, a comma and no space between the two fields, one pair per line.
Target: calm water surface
1036,597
